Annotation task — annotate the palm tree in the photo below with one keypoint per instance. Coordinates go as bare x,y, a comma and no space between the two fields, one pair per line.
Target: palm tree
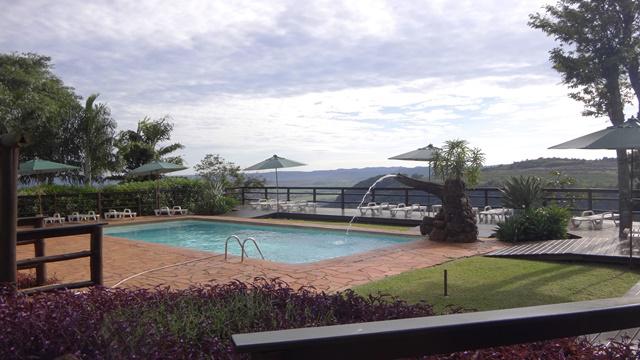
97,134
139,147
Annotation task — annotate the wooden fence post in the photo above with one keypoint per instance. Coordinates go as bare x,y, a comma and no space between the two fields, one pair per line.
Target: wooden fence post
39,249
95,261
406,196
314,194
342,198
99,202
242,194
8,211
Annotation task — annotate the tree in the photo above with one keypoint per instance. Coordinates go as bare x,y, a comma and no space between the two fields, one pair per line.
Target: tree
455,163
598,56
136,148
216,169
97,134
35,102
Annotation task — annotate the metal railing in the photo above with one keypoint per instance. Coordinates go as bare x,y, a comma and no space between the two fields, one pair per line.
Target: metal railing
577,199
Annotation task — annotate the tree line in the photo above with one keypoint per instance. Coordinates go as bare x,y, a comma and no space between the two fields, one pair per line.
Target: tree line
63,127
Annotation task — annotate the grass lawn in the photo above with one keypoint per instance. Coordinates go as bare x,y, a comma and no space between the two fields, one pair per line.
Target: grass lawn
484,283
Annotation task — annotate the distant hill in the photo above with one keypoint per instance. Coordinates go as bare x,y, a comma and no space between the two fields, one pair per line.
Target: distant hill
588,173
338,177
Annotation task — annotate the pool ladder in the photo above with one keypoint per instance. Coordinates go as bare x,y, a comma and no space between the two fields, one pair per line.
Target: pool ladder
242,244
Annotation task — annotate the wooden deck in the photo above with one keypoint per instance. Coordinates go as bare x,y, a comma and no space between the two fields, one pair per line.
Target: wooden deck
593,245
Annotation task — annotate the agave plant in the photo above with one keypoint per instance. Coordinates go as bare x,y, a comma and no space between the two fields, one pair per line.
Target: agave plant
523,192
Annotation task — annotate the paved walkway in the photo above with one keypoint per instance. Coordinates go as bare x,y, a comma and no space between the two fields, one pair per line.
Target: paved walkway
123,258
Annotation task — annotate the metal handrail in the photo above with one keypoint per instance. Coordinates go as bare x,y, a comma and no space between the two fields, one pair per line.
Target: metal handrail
242,244
254,243
226,244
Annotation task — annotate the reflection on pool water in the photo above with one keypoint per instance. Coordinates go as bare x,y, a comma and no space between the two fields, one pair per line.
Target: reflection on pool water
286,244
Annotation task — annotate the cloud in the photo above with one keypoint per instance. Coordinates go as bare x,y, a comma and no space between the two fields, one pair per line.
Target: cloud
330,83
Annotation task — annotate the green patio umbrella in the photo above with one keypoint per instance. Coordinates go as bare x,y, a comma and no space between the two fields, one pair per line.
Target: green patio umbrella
426,153
38,166
625,136
275,162
156,168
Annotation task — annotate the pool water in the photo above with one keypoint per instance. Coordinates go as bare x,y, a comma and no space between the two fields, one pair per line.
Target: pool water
278,243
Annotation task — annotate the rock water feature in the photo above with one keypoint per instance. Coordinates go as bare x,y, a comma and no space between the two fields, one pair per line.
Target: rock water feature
455,222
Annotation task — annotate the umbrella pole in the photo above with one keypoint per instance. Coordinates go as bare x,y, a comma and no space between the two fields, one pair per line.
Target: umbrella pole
277,193
631,212
429,195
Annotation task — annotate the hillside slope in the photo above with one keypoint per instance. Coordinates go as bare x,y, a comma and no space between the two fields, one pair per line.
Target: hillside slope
588,173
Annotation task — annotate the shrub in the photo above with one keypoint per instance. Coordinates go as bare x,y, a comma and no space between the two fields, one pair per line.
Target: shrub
523,192
197,323
549,223
211,199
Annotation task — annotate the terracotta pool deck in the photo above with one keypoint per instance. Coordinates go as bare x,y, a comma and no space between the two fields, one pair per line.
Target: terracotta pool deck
123,258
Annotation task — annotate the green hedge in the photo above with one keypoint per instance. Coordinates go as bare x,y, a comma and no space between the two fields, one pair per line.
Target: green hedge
548,223
193,194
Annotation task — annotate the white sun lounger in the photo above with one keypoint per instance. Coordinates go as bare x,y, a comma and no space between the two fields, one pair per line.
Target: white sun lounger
371,206
178,210
163,211
55,218
75,217
309,205
91,215
259,204
595,220
112,214
407,210
127,213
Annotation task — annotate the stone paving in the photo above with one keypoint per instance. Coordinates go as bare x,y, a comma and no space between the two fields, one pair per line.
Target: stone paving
123,258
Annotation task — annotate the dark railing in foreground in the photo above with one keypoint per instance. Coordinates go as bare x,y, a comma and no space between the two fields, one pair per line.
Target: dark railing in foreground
443,334
578,199
37,237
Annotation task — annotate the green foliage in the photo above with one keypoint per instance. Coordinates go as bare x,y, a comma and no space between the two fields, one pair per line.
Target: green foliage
598,53
523,192
214,168
456,160
46,189
548,223
97,137
35,102
212,200
166,183
560,180
136,148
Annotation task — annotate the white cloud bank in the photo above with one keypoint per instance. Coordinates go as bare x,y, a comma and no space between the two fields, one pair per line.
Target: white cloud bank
332,84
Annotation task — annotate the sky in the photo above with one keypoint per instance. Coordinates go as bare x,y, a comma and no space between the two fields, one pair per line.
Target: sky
334,84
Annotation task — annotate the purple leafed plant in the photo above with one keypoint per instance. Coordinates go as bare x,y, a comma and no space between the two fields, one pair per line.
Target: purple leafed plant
198,322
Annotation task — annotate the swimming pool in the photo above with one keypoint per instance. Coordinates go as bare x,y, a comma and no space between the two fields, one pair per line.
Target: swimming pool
278,243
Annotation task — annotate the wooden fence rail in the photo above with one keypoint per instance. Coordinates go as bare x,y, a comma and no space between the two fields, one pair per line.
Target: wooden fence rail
392,339
34,236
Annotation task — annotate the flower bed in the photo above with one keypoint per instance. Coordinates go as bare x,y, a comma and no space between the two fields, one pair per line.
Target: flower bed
198,322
